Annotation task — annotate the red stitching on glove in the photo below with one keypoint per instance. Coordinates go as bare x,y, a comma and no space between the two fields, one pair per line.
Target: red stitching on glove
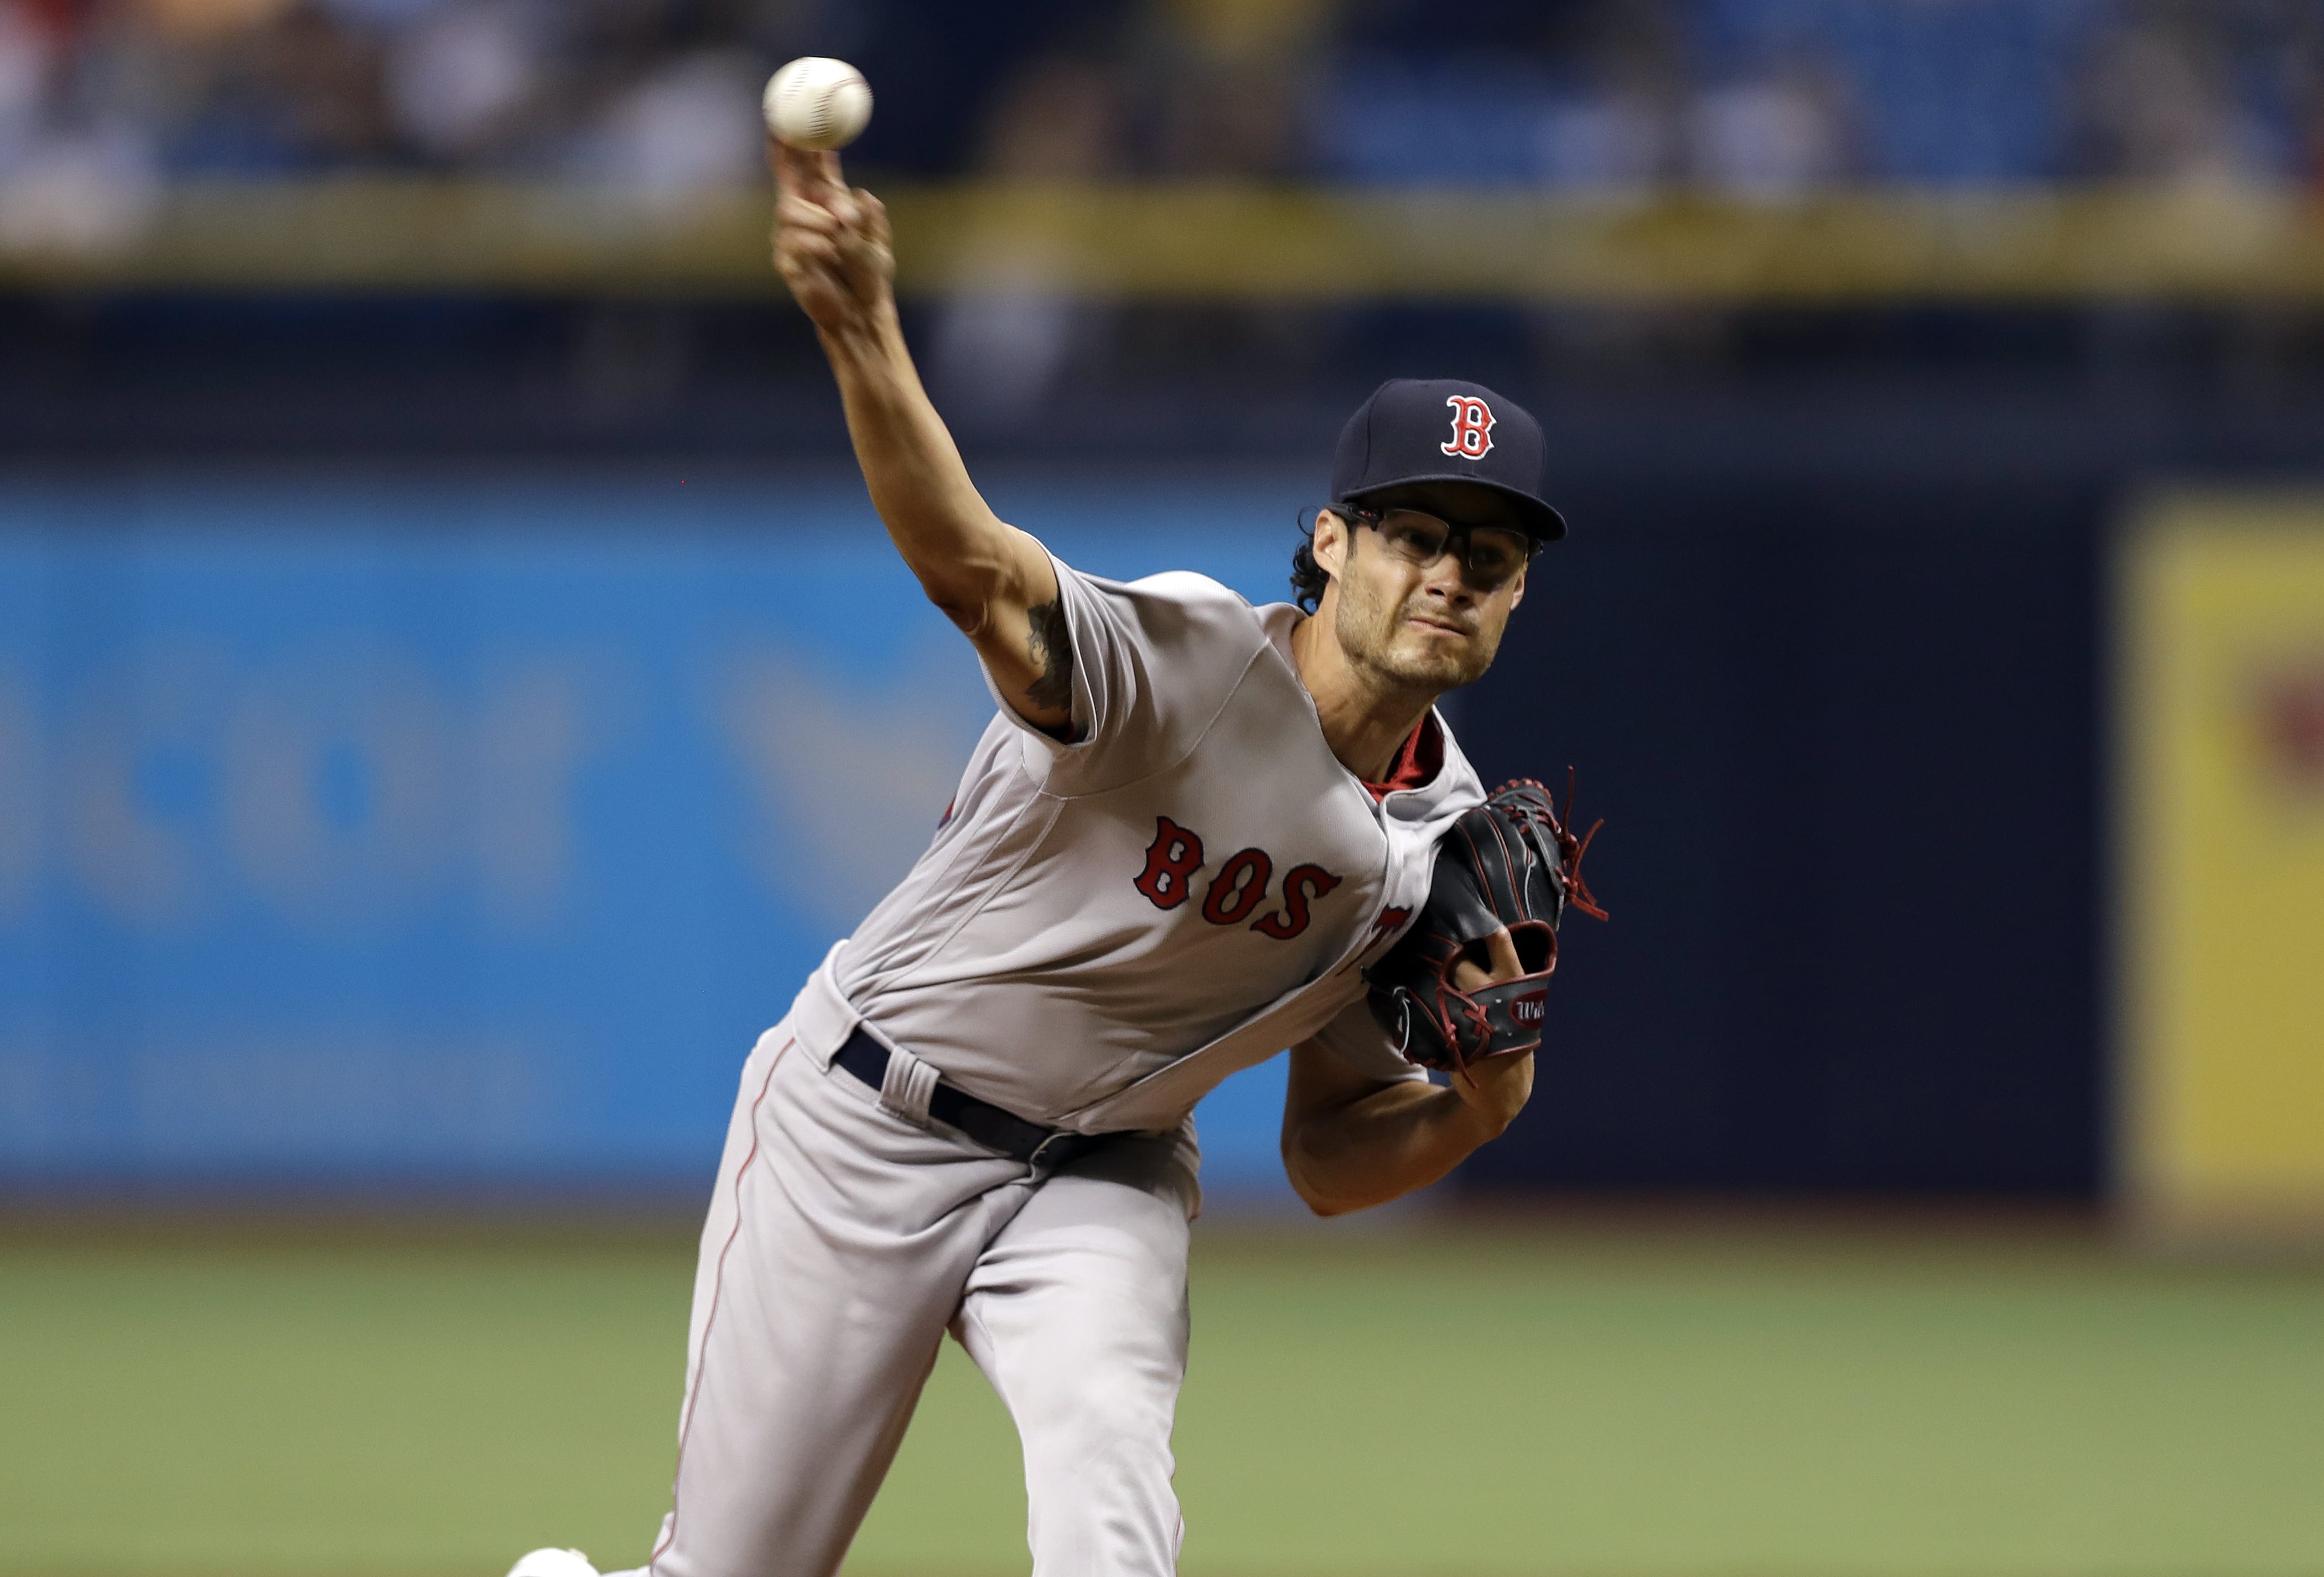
1570,851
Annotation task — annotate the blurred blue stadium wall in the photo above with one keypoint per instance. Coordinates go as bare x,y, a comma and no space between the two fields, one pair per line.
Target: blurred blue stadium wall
447,833
463,832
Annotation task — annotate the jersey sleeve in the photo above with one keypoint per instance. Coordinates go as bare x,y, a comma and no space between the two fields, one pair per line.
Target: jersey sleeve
1154,662
1356,1038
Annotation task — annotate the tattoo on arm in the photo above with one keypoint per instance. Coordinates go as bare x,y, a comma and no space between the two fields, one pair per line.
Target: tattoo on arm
1051,645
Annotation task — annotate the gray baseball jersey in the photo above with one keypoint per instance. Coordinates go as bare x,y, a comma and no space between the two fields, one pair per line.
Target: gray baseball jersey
1104,930
1099,932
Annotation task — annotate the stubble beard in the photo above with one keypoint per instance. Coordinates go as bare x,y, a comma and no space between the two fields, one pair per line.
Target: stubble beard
1399,666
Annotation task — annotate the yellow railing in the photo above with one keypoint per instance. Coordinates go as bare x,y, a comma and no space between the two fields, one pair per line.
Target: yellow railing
1205,241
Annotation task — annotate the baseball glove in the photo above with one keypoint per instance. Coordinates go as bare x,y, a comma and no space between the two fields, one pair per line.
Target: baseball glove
1512,863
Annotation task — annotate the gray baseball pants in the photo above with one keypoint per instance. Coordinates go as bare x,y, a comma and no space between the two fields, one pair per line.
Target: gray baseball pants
842,1243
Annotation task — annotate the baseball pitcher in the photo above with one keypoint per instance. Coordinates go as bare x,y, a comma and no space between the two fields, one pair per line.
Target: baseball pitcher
1195,833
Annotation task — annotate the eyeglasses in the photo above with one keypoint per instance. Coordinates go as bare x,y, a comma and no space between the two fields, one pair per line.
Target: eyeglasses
1490,555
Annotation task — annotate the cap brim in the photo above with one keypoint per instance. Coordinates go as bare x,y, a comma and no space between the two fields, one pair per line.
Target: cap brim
1541,520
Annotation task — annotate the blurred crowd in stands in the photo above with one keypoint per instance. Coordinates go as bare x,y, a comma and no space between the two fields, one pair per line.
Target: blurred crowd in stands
102,101
1755,94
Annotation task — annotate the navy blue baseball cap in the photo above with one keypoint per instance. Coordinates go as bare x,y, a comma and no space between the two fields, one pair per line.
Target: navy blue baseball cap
1442,429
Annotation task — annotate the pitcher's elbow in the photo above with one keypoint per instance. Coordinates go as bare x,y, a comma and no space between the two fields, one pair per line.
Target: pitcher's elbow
1311,1195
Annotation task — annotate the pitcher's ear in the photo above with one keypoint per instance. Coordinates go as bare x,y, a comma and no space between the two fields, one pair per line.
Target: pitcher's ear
1331,540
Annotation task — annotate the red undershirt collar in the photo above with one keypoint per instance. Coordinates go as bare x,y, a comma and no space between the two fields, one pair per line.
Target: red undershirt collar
1418,763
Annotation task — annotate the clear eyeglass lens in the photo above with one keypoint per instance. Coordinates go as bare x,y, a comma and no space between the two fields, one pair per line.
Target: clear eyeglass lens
1491,554
1496,555
1414,536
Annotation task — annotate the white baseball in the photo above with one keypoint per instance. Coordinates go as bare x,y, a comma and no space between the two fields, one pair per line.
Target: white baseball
816,102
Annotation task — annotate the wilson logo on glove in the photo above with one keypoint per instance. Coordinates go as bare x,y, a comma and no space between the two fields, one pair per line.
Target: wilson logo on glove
1509,863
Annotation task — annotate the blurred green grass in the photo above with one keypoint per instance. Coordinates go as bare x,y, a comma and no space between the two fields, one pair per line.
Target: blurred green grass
1641,1401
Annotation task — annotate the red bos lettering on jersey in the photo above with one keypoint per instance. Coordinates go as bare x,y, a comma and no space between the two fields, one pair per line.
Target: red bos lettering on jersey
1301,887
1171,861
1239,887
1174,858
1473,427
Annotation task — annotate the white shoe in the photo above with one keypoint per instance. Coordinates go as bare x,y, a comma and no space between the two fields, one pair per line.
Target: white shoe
553,1564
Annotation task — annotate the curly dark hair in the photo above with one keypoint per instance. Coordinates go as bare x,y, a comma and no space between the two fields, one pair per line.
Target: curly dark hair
1308,578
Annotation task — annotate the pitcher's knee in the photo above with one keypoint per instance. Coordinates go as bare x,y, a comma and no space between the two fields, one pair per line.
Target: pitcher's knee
1090,1421
1098,1490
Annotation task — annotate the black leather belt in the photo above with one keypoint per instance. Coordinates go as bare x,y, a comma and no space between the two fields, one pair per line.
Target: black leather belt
981,1120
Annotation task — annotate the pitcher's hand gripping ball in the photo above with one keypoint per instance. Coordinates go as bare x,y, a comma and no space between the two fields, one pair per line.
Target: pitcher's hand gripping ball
1512,863
816,102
